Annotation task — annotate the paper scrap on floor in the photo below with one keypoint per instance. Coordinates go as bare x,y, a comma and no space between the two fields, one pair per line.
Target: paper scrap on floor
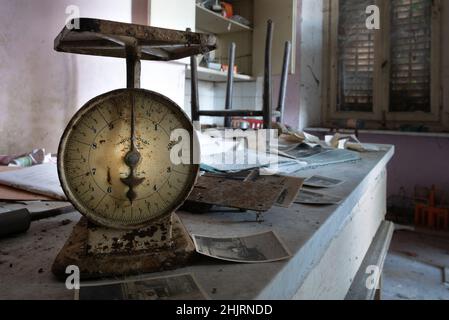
40,179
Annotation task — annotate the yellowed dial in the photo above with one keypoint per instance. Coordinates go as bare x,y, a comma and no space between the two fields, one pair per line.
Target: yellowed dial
94,155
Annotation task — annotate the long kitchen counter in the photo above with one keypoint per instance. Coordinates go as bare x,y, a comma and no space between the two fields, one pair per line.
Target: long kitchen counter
328,243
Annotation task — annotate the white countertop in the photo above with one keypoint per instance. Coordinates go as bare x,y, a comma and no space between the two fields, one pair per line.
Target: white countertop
306,230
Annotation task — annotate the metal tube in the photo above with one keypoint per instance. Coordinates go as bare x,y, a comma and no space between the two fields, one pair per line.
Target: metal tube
284,79
230,83
267,84
132,66
231,113
194,102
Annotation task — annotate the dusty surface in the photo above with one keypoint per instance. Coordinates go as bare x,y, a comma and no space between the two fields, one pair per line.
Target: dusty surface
29,257
307,231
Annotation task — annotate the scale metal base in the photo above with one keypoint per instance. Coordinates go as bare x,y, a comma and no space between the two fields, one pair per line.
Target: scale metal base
103,252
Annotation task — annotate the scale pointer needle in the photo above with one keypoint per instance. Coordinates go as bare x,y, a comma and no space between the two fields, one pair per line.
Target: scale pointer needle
132,159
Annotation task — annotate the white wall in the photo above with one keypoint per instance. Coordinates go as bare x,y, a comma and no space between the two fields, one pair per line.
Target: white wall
310,62
172,14
212,96
41,89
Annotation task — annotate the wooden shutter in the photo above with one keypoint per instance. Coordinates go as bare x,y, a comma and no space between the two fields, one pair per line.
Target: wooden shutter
355,57
411,35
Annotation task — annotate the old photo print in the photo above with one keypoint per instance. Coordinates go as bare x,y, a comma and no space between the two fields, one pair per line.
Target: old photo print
257,248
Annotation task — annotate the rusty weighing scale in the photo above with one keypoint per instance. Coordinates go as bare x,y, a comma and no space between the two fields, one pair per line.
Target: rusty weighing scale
114,158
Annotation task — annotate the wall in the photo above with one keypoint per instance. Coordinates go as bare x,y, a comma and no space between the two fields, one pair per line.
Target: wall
41,89
311,45
212,96
172,14
206,97
303,103
419,160
292,99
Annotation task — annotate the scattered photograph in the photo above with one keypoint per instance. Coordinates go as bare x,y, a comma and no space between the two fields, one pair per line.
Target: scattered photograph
176,287
291,185
322,182
257,248
310,197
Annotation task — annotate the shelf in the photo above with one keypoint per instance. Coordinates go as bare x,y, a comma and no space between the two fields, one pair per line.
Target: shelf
209,21
205,74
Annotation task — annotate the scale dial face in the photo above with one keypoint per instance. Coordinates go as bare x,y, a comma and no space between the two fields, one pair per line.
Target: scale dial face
92,162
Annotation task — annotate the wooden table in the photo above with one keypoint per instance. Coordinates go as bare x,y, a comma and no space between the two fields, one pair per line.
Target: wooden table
328,244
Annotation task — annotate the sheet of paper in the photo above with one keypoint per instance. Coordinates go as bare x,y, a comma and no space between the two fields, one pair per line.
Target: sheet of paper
322,182
175,287
315,198
256,248
41,179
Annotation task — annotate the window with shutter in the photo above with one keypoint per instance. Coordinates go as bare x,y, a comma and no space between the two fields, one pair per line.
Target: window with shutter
410,55
355,58
389,77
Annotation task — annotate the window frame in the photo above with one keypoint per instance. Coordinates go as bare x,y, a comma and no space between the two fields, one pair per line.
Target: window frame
381,115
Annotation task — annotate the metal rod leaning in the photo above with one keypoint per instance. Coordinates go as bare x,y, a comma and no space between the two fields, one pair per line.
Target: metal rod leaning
194,102
267,83
284,80
230,83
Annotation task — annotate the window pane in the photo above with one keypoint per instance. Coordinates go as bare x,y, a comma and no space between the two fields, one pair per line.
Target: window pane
355,57
410,55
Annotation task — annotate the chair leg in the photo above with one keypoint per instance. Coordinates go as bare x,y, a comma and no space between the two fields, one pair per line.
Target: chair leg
267,83
194,102
230,83
284,78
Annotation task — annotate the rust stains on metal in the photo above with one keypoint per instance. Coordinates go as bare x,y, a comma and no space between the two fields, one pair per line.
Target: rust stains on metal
177,251
110,38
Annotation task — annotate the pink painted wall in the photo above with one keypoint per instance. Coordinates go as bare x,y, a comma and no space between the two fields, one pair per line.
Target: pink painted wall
418,160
